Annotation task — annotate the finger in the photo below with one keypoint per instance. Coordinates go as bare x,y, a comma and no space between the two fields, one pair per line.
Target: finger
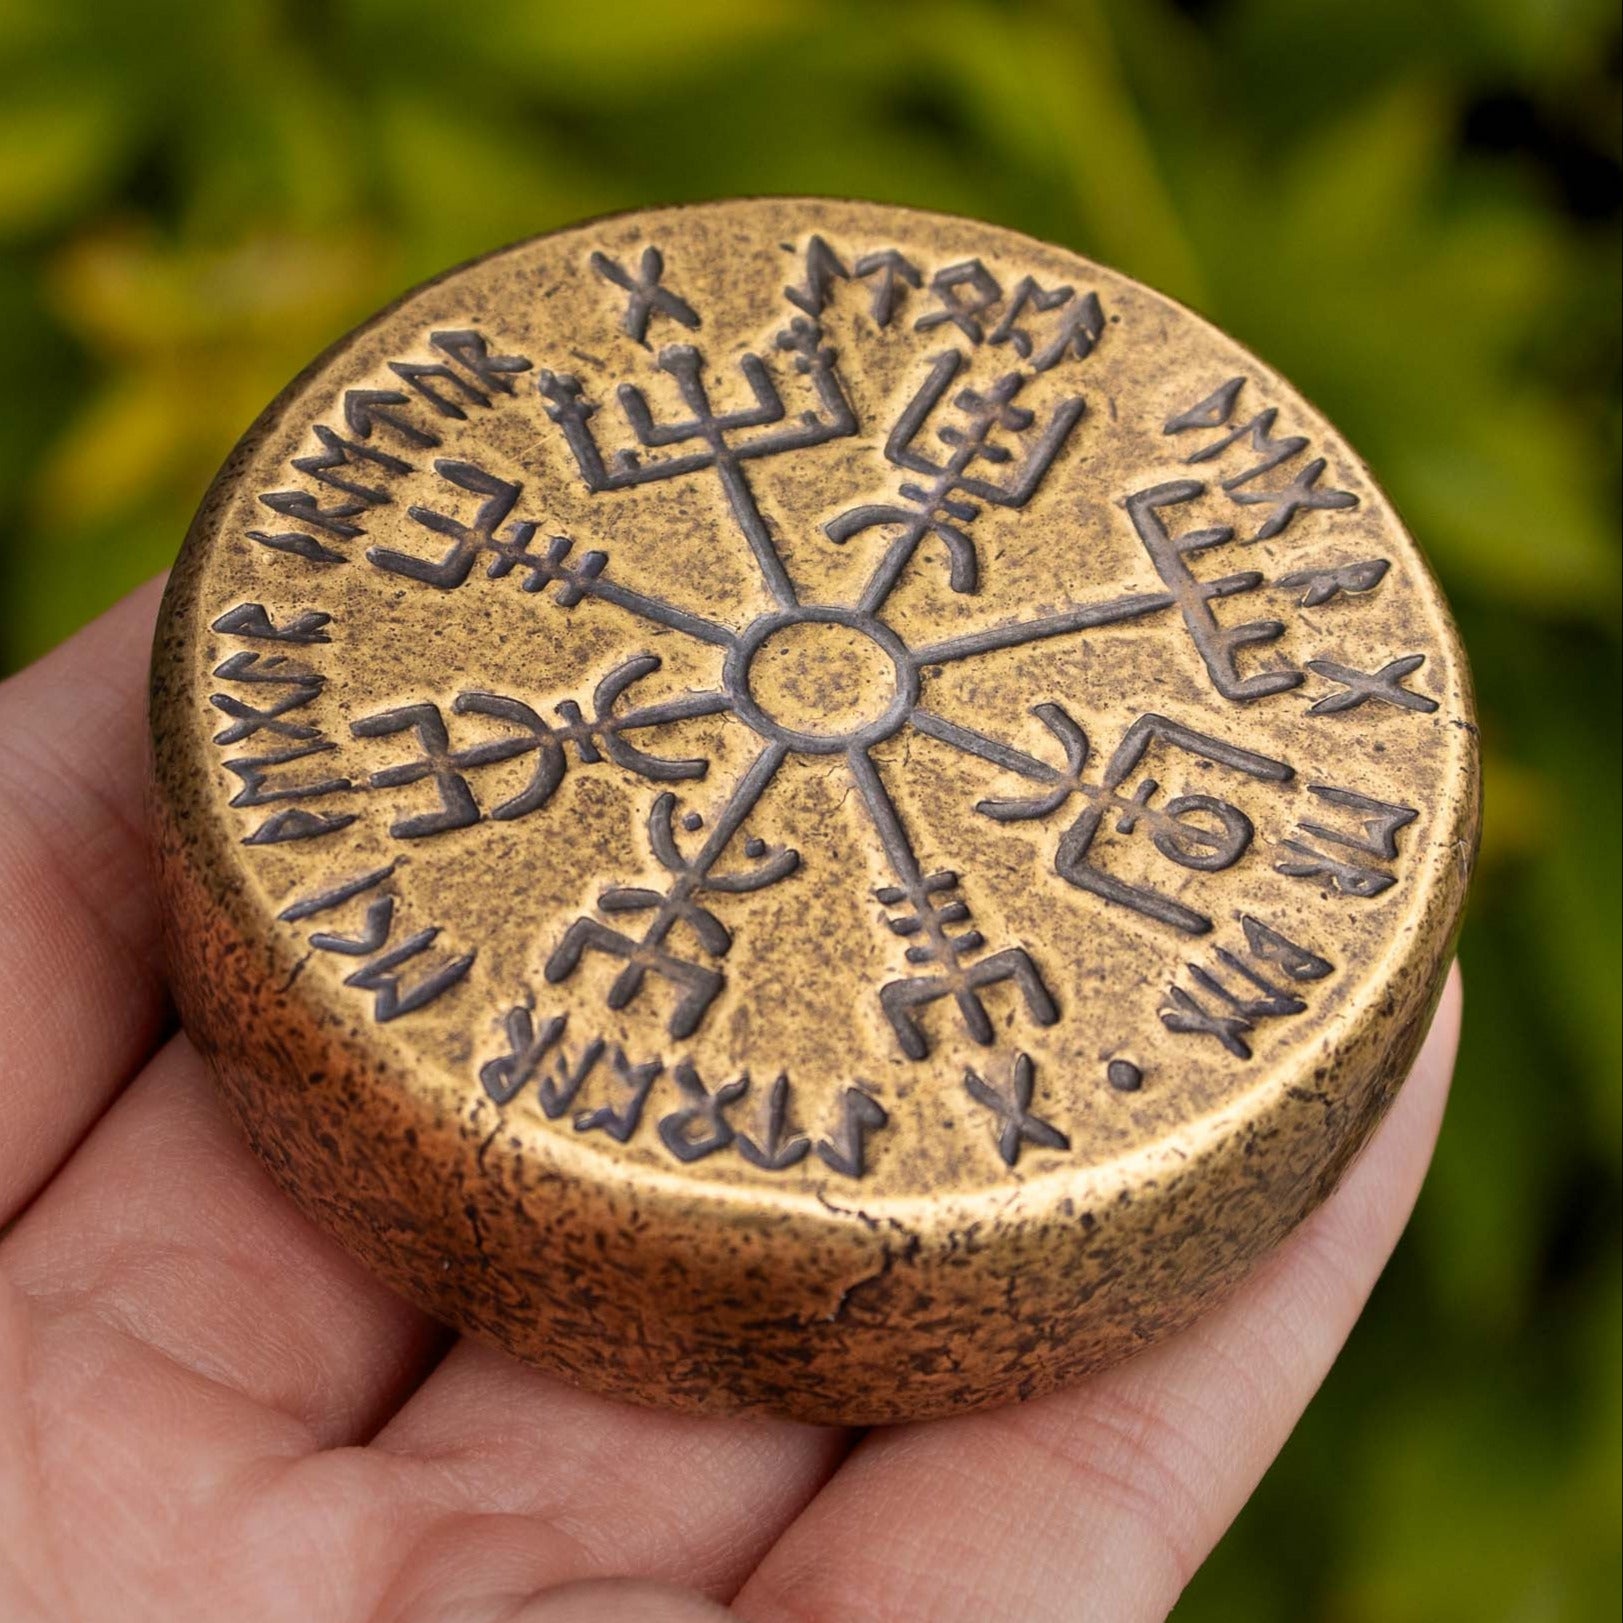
81,996
1100,1503
161,1263
163,1271
610,1601
539,1483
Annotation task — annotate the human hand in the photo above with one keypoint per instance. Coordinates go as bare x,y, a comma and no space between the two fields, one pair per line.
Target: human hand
208,1410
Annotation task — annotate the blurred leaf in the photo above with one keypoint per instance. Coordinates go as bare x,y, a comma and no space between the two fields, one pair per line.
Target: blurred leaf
1577,961
586,53
1501,1558
120,449
1536,41
461,186
1510,502
194,341
1050,97
59,146
1504,489
127,292
1344,186
1514,799
1506,1140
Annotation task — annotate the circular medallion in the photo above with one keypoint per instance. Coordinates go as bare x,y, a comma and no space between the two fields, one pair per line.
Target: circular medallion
800,806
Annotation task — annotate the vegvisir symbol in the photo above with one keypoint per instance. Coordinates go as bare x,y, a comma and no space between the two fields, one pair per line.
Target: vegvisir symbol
996,452
990,431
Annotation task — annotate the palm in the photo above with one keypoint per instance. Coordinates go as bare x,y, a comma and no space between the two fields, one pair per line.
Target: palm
207,1410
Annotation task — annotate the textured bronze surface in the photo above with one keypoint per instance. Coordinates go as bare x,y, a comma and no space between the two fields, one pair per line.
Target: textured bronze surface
799,806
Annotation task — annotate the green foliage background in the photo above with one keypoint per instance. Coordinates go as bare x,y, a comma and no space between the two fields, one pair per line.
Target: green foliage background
1411,208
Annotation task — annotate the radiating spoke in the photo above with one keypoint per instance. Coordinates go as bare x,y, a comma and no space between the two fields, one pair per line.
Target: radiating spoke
1084,617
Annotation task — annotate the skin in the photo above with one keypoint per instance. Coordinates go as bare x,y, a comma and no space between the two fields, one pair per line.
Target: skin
208,1410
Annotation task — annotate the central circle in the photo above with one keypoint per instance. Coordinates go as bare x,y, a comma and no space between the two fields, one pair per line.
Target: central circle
813,677
822,679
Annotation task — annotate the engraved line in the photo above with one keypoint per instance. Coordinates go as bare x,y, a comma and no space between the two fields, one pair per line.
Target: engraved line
959,980
656,609
684,708
763,769
988,749
740,804
985,414
311,905
1105,795
585,579
1087,615
887,823
750,520
683,363
904,860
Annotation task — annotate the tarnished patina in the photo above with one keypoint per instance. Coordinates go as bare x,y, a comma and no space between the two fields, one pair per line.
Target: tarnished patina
798,806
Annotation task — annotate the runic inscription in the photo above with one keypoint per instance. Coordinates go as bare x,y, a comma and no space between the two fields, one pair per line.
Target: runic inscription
1363,844
350,474
926,414
1259,452
402,970
1229,996
1015,1123
266,695
600,1089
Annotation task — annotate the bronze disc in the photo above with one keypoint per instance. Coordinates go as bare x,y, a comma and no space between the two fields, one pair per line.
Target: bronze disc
796,806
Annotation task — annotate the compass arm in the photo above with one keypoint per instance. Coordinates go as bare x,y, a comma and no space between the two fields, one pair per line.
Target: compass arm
680,903
1070,734
1084,617
914,888
722,437
899,443
938,505
816,360
508,541
972,742
930,907
610,725
662,613
587,577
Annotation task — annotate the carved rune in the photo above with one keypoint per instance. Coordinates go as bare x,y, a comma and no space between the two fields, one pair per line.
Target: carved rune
1359,687
691,878
981,433
647,296
1015,1122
